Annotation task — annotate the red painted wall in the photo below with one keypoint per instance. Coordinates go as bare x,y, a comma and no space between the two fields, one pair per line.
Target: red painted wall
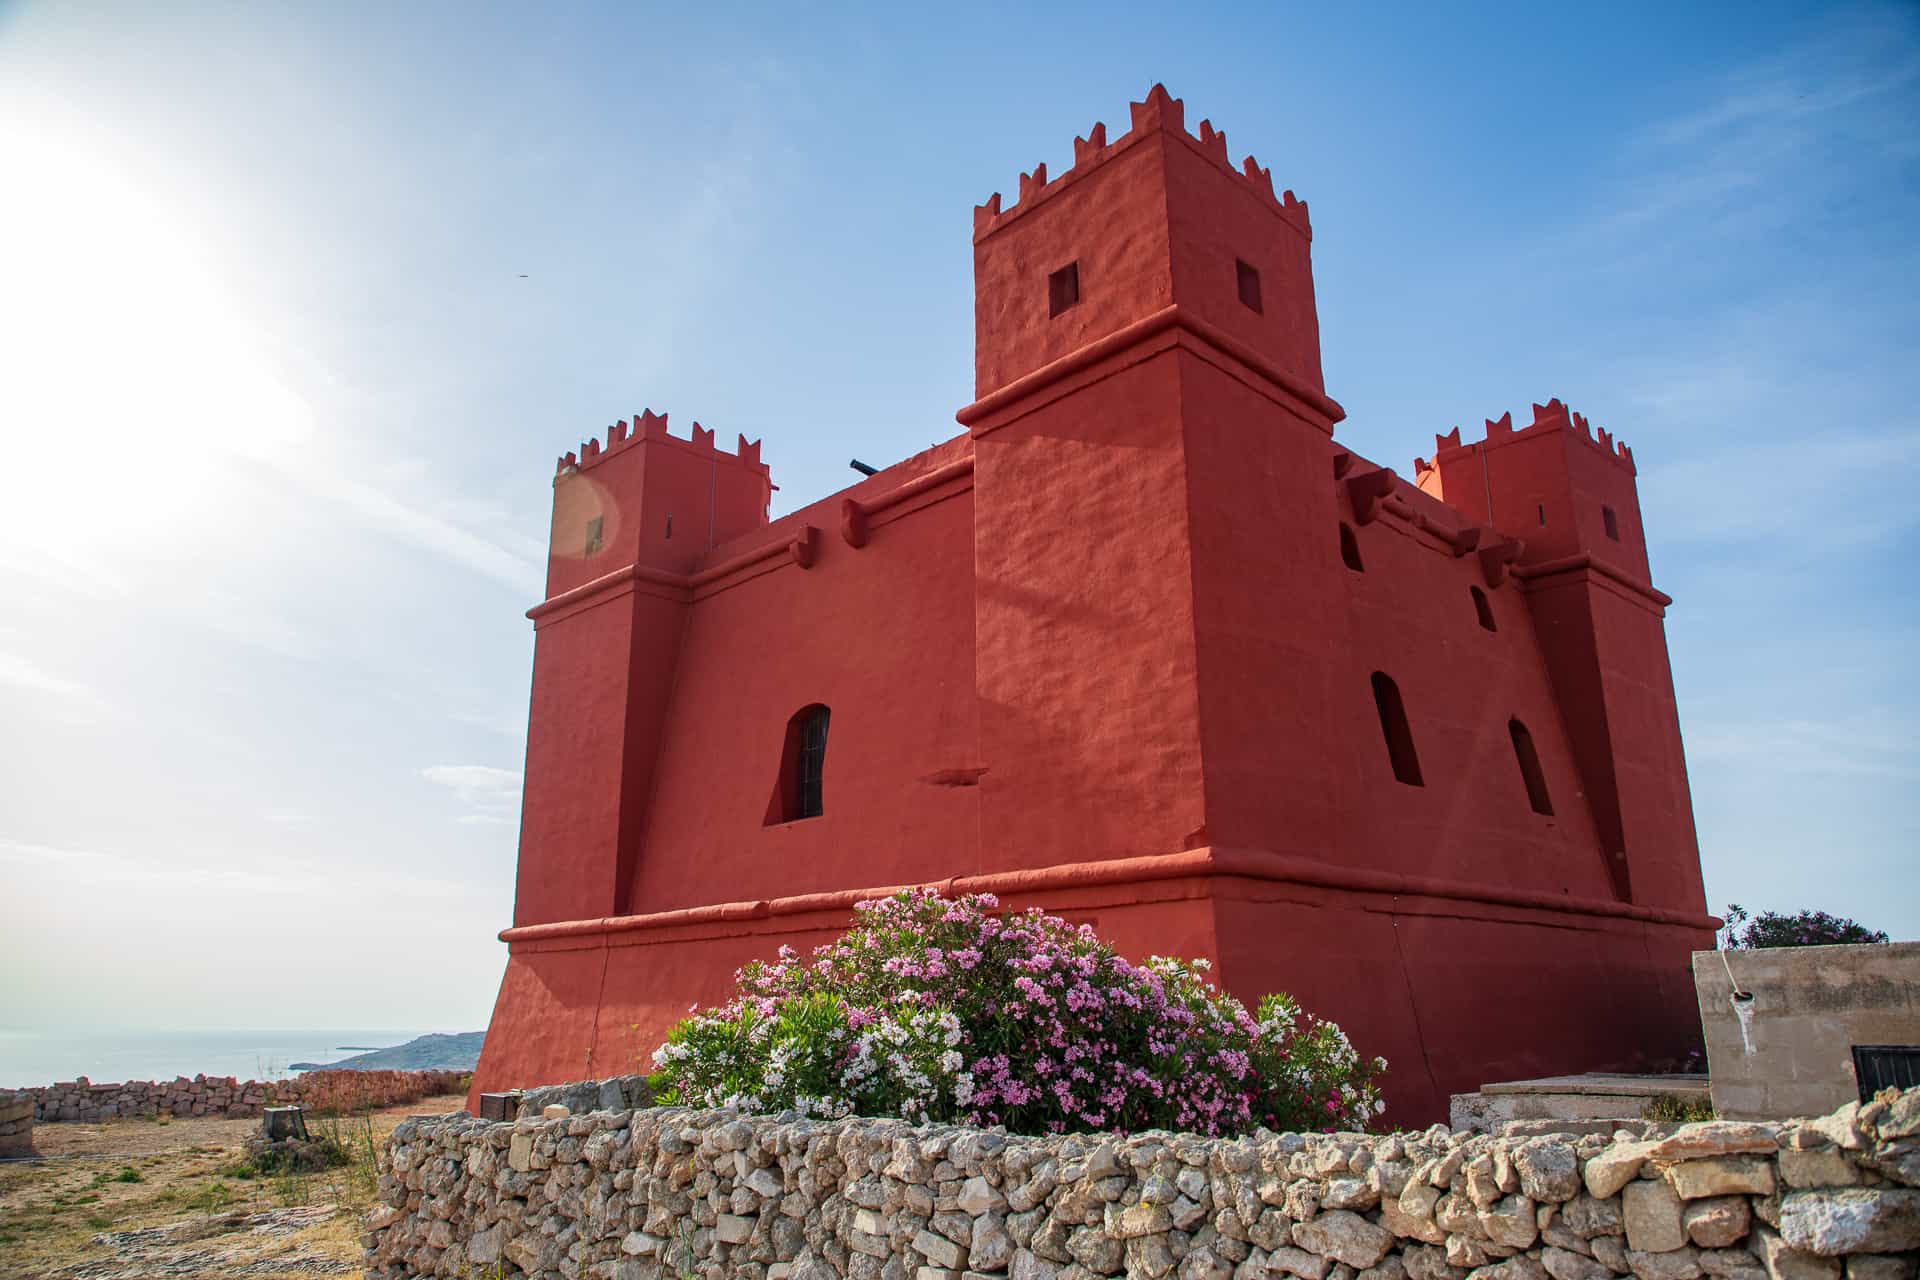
1102,653
883,636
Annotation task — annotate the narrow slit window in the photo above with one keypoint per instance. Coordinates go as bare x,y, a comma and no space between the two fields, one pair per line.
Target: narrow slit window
1611,523
1249,277
1484,608
594,538
1394,728
1063,288
1350,549
1530,772
800,790
1542,509
669,526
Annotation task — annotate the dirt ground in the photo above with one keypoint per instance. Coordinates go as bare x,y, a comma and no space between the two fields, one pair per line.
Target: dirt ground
133,1199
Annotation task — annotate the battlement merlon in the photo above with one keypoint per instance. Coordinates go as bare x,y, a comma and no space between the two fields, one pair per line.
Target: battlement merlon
651,426
1551,416
1161,112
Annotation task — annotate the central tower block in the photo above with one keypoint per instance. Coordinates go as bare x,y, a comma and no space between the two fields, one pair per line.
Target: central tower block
1158,219
1151,433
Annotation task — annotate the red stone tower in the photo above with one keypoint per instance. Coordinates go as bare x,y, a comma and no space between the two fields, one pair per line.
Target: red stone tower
1144,646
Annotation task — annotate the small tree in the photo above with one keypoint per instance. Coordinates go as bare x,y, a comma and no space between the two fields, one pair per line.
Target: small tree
1803,929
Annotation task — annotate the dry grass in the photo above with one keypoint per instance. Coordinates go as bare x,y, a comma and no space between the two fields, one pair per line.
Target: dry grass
186,1187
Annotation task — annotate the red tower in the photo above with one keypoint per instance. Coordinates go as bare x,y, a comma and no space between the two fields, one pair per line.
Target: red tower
1143,646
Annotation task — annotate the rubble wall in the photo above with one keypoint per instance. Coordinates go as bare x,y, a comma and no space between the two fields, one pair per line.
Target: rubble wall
669,1193
82,1101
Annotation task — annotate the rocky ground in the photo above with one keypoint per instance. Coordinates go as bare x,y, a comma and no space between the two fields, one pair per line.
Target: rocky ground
131,1199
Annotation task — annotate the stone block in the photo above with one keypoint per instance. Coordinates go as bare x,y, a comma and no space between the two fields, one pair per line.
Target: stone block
1717,1222
1851,1220
1724,1176
1651,1212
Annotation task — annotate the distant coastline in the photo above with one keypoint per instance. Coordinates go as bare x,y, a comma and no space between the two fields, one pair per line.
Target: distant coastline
457,1052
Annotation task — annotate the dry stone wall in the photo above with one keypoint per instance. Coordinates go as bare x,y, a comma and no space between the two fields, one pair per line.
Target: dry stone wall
16,1124
83,1101
672,1193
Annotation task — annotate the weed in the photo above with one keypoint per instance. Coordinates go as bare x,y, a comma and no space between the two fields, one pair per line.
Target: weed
1672,1108
213,1197
290,1187
128,1174
357,1150
100,1221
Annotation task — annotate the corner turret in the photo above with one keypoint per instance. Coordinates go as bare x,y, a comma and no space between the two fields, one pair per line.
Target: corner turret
650,498
1563,489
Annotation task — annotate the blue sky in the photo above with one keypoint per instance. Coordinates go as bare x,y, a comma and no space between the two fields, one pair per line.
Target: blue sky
278,409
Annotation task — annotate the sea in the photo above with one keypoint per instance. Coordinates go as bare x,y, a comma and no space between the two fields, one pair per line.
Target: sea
48,1057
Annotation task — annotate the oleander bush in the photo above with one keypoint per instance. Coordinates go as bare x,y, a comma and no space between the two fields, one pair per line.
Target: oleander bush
944,1010
1802,929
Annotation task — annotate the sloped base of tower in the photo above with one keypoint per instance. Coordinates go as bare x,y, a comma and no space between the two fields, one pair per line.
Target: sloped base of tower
1454,985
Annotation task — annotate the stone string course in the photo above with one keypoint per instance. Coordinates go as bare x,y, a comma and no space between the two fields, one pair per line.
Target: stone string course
675,1194
83,1101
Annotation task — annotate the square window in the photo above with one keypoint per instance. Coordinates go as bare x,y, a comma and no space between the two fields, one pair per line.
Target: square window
1063,288
594,542
1249,285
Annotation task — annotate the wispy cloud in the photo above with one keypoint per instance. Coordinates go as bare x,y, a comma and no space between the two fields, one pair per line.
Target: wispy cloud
1765,493
415,520
1852,746
492,796
68,695
1776,140
17,670
257,876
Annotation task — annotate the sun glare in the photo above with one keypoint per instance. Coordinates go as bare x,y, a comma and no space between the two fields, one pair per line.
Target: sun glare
133,380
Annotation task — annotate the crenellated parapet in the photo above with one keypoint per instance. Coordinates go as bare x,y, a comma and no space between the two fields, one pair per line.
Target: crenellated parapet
1160,112
648,425
1551,416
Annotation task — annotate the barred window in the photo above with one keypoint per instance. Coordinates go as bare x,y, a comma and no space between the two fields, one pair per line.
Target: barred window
800,790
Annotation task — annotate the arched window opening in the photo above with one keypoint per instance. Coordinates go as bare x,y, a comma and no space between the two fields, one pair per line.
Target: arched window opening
1484,608
1394,728
1530,768
1350,549
799,791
